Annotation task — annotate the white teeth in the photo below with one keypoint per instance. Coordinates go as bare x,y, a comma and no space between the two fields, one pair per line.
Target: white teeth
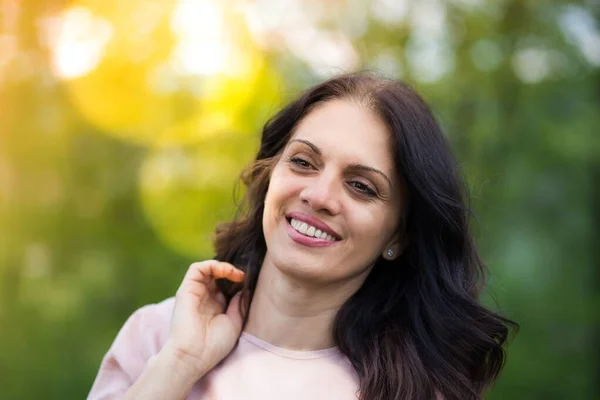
309,230
303,228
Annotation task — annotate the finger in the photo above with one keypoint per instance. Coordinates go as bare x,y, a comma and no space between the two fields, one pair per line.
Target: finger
233,311
207,271
220,298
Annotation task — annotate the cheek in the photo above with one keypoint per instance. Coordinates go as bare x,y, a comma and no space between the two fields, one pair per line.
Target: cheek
269,211
373,226
275,199
282,186
273,192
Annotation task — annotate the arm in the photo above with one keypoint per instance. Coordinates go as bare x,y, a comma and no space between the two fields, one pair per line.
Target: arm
197,330
135,347
167,376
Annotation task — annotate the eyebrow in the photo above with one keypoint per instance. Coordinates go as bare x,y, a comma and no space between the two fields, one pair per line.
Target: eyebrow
309,144
356,167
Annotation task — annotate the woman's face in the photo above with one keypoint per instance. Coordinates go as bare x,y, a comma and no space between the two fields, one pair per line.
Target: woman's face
334,199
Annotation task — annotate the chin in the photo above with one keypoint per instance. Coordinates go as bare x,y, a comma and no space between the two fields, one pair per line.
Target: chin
300,266
304,274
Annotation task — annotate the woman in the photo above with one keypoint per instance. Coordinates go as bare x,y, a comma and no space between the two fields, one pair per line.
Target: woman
349,273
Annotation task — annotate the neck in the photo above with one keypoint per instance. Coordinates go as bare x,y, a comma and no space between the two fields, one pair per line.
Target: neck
289,313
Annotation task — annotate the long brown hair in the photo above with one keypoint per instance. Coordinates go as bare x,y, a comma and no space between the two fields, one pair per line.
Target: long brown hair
415,329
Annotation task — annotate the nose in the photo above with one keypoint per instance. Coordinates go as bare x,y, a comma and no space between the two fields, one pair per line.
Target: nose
322,193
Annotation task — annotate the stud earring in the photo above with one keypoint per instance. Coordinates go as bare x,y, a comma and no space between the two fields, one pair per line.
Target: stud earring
390,252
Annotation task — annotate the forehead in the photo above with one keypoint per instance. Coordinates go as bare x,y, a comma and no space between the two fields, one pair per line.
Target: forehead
348,129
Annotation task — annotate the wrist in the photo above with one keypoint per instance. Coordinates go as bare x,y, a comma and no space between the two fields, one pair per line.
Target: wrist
182,362
166,376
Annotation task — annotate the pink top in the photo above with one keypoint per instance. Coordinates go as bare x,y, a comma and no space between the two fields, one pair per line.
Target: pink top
254,369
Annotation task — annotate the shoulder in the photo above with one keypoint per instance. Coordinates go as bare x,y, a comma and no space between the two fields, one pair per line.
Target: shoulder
152,322
154,315
145,331
139,339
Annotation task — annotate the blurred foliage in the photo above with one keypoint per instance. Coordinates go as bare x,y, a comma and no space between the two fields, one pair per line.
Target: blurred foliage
124,126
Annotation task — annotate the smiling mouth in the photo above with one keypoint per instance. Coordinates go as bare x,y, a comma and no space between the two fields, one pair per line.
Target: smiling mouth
309,231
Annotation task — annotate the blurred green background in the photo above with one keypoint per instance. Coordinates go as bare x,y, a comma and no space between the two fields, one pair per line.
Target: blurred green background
124,125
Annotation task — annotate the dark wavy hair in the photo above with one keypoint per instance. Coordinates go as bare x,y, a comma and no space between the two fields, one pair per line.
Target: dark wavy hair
415,329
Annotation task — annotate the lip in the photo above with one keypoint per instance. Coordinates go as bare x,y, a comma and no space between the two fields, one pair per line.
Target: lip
306,240
317,223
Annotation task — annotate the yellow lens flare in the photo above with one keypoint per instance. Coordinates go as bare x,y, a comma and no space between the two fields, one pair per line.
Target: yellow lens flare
201,126
133,69
230,105
186,192
104,53
187,183
182,78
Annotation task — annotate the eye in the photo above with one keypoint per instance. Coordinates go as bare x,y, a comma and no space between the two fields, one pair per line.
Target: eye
363,188
300,162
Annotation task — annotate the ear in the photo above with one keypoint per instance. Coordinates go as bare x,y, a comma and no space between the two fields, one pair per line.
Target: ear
395,247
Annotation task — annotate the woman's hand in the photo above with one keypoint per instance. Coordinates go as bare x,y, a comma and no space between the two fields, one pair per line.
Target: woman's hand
202,332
